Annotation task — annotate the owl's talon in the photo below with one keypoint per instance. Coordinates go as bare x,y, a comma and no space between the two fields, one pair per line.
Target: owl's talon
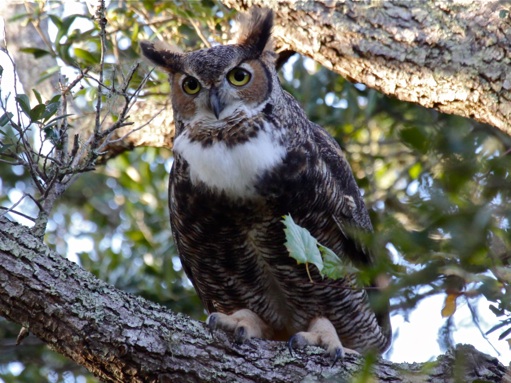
212,322
337,355
240,335
290,346
296,341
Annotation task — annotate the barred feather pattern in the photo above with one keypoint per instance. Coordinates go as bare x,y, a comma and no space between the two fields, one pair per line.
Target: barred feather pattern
233,248
245,155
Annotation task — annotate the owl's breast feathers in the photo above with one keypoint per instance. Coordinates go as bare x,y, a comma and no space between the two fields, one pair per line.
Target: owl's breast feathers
232,155
230,188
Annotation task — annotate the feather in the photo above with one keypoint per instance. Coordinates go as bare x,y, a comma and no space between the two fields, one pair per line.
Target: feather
255,29
162,55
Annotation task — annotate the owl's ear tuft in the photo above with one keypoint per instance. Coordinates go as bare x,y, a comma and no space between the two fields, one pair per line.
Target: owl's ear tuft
255,29
162,55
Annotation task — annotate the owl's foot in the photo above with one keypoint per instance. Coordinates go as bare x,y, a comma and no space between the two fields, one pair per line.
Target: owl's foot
321,332
245,324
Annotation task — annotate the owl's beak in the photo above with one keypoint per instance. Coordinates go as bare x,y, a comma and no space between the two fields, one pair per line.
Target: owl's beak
214,102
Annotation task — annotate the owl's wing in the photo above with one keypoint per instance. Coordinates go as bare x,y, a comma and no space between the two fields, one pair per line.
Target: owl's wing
342,202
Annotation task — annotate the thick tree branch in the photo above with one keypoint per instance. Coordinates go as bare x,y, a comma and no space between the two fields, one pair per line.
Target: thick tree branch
453,56
122,338
154,127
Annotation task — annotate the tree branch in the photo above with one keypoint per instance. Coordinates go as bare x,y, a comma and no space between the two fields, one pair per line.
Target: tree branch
122,338
452,56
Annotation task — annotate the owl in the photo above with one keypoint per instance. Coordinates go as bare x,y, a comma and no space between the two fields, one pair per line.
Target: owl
245,155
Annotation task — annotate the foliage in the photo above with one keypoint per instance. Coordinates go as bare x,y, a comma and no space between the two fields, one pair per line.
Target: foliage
303,247
438,187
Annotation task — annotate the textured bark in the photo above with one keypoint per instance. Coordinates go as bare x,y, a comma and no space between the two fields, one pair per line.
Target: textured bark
153,126
454,56
122,338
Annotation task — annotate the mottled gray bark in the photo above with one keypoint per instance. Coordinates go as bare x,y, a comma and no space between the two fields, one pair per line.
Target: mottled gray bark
123,338
451,55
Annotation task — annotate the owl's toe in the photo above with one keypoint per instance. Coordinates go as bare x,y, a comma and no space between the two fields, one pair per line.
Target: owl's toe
244,324
320,333
297,341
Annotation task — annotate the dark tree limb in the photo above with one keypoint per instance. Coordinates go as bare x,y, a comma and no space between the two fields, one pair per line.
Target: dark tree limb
449,55
123,338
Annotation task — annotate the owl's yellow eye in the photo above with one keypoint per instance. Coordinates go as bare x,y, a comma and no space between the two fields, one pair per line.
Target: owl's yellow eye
238,77
191,85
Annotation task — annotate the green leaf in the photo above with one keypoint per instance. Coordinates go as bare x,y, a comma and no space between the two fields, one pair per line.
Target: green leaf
38,96
498,312
505,333
19,16
4,147
333,266
56,20
415,170
53,122
64,27
416,138
491,289
497,326
301,245
50,110
37,52
36,111
24,103
135,32
48,73
6,118
55,98
85,56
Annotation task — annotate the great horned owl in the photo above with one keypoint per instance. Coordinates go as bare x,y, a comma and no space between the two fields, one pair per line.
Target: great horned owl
245,155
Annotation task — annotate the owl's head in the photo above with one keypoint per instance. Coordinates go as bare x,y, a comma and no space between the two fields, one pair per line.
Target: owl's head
216,83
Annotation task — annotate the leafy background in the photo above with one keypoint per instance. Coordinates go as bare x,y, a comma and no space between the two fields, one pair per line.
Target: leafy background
437,186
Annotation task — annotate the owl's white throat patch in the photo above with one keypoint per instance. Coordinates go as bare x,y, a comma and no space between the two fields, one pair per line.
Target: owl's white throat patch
234,169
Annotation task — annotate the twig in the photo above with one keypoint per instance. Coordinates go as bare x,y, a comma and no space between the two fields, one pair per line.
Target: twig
102,21
79,78
11,209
